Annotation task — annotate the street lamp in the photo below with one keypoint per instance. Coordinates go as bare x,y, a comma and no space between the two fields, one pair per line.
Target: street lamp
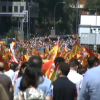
19,28
29,7
55,11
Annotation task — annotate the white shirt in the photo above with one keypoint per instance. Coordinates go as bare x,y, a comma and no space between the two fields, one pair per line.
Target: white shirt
14,77
10,74
76,79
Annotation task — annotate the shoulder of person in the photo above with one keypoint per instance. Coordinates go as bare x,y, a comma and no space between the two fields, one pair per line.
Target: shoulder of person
48,80
79,75
7,77
92,70
71,83
6,72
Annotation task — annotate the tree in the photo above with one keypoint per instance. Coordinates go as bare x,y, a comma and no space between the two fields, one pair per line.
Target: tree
46,12
12,33
93,6
65,18
70,12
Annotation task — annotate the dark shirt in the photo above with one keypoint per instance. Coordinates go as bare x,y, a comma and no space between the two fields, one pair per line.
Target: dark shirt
64,89
6,82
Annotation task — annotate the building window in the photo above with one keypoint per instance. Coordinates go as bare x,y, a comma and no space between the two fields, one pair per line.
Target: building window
3,8
21,8
15,8
10,9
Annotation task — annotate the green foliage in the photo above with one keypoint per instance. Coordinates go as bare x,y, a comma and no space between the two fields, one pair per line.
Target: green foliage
67,14
70,12
12,33
93,6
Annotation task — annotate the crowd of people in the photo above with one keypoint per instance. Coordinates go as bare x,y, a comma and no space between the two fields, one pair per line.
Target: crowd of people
28,79
27,82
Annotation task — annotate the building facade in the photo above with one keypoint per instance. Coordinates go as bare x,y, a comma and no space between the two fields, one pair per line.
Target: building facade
16,10
18,7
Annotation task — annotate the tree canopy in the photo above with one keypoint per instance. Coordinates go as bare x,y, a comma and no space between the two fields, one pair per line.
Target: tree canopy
93,5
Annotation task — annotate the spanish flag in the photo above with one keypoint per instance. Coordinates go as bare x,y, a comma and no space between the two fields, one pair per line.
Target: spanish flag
25,58
51,73
46,66
53,53
74,51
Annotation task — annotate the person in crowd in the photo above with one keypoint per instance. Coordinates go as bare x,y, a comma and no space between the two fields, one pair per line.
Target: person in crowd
75,77
3,94
79,67
82,70
93,61
22,69
16,74
13,67
90,89
57,61
51,64
44,83
6,81
87,66
28,86
63,88
19,77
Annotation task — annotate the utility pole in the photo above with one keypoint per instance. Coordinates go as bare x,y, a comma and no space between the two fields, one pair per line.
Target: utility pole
26,21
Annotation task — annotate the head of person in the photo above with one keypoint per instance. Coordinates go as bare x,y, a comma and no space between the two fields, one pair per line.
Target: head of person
2,67
93,61
30,79
87,66
14,66
74,64
63,69
82,70
23,68
35,61
58,60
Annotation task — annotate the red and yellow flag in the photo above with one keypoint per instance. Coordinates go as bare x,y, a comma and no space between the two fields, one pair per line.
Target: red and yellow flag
51,73
53,53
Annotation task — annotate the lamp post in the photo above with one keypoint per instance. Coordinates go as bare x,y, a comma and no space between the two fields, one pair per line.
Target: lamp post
29,17
19,28
55,11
